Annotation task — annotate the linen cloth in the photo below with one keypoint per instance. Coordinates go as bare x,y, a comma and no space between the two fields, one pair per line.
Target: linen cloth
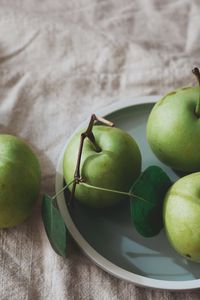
60,61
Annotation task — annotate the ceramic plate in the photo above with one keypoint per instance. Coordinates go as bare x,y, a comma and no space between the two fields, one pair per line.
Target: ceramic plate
109,238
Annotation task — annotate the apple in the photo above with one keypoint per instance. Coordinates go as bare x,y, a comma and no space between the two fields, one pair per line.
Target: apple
173,129
181,215
19,180
116,166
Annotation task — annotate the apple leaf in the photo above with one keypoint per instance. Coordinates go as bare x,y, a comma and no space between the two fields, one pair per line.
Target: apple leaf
56,230
151,186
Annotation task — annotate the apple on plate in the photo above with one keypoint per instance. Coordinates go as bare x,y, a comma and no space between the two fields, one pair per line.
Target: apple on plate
19,180
181,215
114,164
173,129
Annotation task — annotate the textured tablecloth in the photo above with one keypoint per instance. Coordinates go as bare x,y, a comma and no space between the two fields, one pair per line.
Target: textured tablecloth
59,62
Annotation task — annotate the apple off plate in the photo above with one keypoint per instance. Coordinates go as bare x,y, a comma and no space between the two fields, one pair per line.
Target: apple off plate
108,236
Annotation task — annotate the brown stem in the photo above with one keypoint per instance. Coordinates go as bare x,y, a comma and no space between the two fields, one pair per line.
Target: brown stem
196,72
77,171
89,134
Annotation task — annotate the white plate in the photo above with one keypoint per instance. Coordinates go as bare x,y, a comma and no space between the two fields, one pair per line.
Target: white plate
109,238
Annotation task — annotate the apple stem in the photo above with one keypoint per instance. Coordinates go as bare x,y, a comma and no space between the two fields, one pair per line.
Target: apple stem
112,191
89,134
196,72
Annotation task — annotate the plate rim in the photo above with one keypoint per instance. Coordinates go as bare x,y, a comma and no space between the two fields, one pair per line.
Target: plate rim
90,252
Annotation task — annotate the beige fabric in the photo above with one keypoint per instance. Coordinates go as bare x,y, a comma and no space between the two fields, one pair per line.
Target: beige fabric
59,62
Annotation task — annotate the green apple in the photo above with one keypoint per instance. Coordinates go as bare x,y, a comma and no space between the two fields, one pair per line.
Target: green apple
19,180
173,129
116,166
181,214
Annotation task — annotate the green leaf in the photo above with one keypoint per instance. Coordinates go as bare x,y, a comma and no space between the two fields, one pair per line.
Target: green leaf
151,186
56,230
